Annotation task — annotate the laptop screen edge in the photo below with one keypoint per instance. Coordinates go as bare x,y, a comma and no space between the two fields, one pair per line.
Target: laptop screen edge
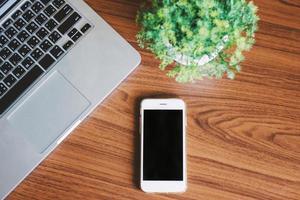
6,6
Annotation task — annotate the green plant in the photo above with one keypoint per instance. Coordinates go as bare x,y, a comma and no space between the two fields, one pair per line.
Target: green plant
195,28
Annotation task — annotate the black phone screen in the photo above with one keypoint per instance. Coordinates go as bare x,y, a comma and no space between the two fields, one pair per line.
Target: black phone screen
163,145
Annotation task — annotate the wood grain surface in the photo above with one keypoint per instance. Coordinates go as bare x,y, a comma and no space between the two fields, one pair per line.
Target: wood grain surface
243,134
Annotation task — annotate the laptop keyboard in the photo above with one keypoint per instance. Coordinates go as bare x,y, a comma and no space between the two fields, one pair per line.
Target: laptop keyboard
32,40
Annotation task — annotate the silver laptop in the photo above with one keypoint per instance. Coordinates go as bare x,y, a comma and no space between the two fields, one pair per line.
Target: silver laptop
58,61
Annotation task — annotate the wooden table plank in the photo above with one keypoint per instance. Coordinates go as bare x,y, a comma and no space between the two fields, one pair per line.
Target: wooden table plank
243,134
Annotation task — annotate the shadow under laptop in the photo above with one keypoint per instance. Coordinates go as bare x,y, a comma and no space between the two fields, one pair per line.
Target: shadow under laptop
137,135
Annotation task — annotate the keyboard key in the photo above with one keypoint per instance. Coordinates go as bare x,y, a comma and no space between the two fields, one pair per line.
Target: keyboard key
18,89
63,13
54,37
27,63
45,2
1,76
50,10
6,67
72,32
58,3
67,45
24,50
10,32
28,15
51,24
25,5
46,61
14,44
19,24
33,41
37,7
85,28
42,33
7,23
32,27
69,23
41,18
46,45
16,14
37,54
3,89
56,52
9,80
23,35
3,40
15,59
19,71
5,53
76,36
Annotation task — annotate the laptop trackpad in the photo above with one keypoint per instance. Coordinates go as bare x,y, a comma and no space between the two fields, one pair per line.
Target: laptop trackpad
48,112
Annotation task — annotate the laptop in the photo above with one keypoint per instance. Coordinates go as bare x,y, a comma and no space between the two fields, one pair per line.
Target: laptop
58,61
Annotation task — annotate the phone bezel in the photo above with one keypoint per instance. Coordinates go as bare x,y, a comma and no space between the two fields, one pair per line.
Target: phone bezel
163,186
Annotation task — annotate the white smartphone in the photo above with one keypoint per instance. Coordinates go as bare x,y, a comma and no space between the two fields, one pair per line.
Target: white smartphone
163,145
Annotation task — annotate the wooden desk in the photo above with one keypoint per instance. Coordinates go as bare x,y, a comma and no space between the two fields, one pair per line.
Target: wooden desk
243,135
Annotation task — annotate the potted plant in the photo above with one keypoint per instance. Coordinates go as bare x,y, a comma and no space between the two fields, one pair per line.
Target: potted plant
202,38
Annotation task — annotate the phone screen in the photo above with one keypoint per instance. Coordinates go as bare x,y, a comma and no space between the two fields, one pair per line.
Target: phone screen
163,145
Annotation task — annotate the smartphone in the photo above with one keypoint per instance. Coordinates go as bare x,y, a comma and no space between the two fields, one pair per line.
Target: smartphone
163,145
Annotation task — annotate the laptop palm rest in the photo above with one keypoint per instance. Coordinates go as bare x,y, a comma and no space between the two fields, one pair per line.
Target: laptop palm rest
48,112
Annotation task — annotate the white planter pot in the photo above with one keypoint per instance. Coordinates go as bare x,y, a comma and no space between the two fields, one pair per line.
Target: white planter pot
186,60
